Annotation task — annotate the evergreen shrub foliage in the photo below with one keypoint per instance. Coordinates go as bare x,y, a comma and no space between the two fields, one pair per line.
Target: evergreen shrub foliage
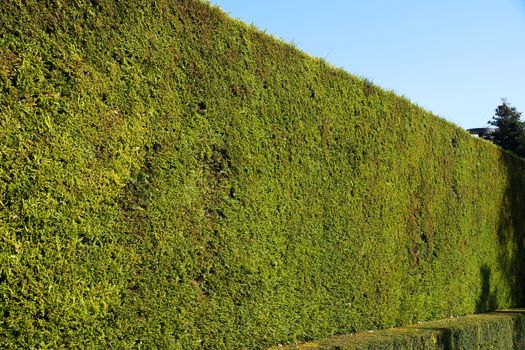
172,178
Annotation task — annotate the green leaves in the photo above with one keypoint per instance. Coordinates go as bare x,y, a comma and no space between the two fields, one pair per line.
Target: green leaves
172,178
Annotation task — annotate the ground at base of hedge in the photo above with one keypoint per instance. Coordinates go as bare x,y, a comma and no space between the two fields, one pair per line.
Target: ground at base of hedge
504,329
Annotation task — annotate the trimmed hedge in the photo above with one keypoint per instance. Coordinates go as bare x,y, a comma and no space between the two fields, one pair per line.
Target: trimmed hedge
172,178
503,330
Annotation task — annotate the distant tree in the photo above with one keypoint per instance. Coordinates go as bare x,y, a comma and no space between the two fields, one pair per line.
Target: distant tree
510,132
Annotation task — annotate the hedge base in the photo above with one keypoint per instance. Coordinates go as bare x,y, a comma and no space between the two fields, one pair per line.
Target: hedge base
497,330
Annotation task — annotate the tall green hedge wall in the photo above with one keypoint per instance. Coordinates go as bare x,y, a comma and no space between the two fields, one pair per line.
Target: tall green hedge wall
171,178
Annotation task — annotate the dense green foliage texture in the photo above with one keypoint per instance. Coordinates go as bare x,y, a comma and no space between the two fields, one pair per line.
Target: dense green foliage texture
172,178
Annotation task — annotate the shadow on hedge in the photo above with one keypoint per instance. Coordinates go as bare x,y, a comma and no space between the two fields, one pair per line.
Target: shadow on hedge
511,235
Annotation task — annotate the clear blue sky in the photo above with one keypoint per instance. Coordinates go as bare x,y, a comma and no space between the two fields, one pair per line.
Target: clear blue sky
456,58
